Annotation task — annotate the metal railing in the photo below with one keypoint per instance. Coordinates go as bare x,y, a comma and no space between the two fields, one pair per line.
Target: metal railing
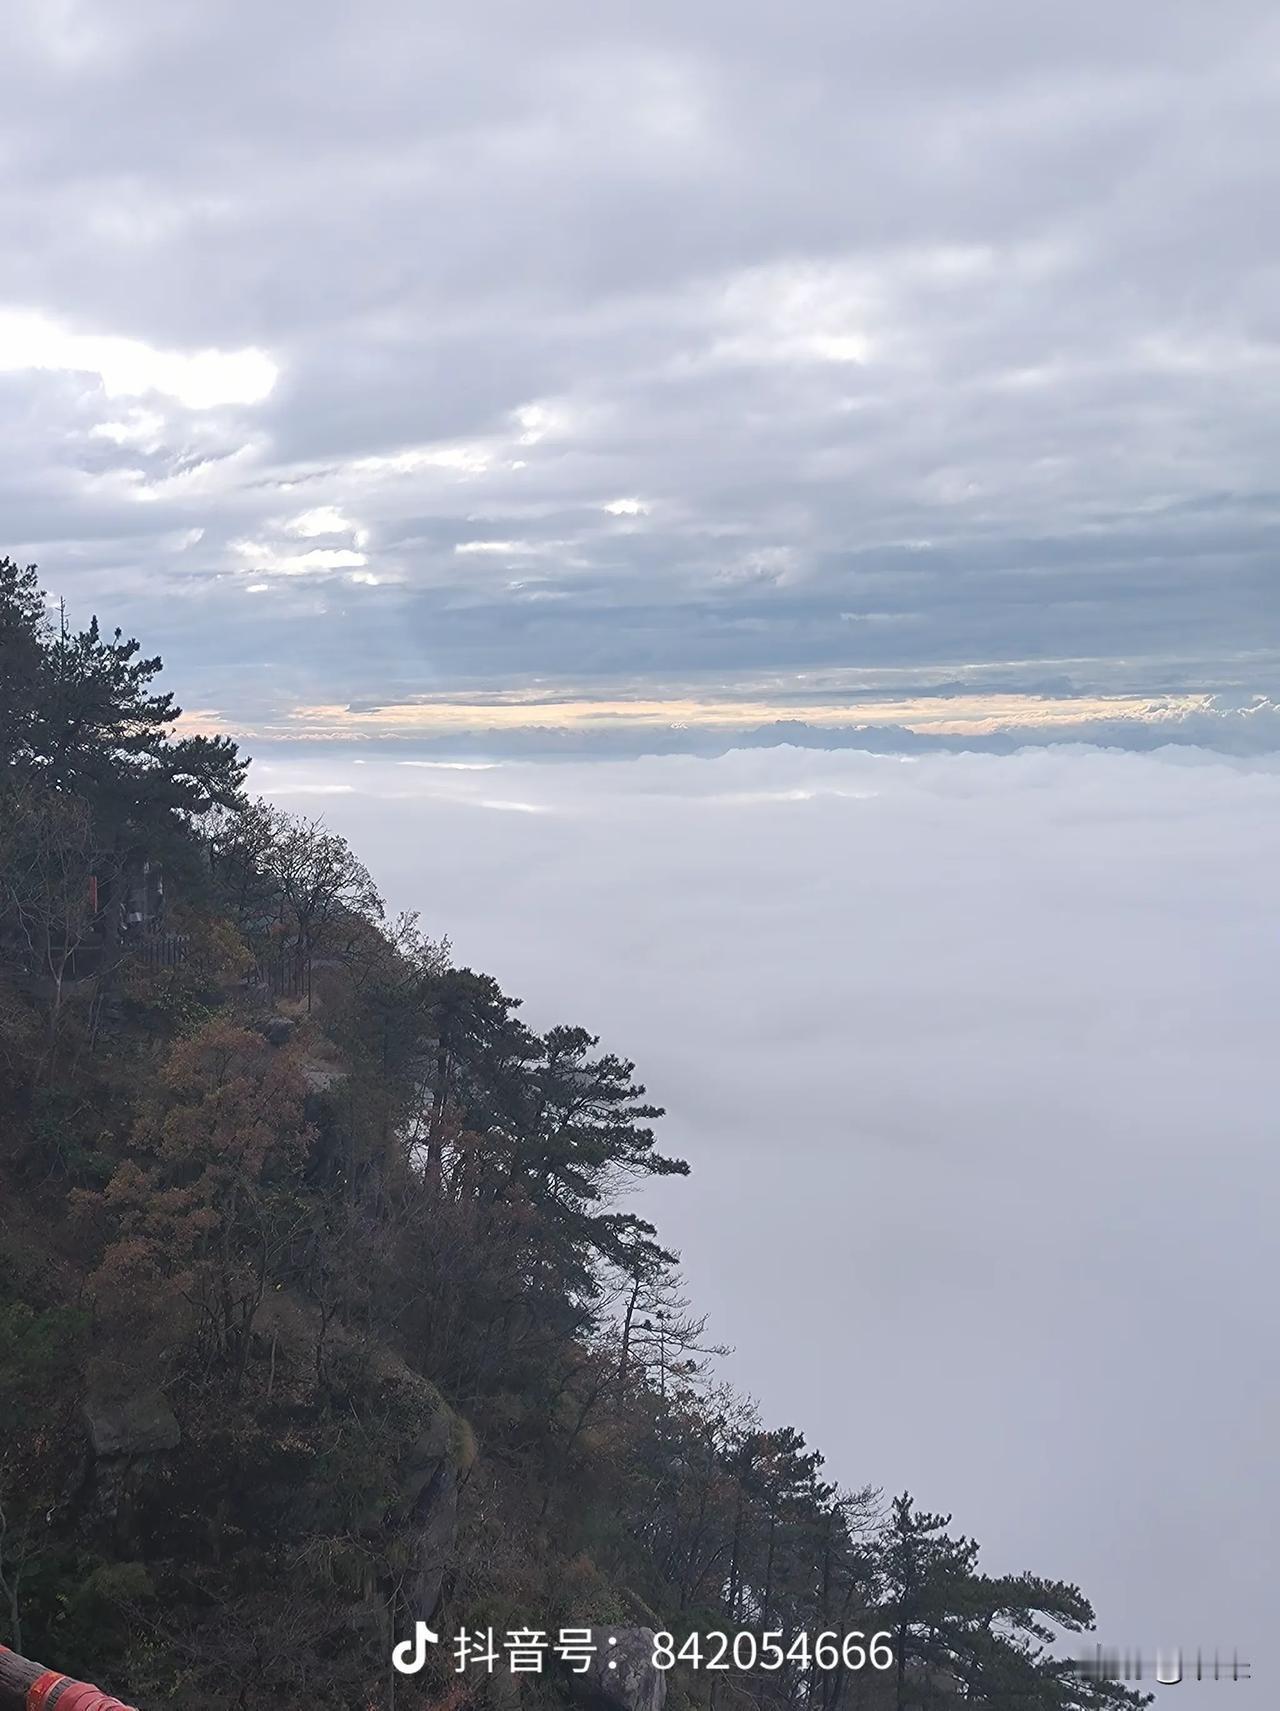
287,974
159,950
27,1686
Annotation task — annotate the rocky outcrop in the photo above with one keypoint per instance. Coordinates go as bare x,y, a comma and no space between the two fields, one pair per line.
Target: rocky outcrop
138,1423
434,1526
622,1676
423,1510
428,1489
320,1077
127,1430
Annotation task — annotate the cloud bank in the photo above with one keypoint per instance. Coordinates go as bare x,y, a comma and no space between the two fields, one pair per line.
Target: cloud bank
973,1059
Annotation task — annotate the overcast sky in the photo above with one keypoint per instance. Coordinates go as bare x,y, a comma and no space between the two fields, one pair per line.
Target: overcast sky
476,383
378,358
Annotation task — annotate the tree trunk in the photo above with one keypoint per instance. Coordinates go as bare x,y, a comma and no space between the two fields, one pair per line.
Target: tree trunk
435,1133
625,1361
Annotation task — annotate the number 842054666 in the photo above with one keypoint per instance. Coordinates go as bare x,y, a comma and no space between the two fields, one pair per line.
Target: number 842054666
775,1649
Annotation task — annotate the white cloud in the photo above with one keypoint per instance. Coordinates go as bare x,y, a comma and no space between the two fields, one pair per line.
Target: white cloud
325,520
200,380
458,459
798,312
839,347
260,556
537,421
509,549
141,428
979,1051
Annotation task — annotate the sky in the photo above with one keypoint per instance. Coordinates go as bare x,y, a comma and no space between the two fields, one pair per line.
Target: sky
843,440
590,376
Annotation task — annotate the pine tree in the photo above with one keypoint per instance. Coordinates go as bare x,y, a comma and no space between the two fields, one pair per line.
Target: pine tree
22,637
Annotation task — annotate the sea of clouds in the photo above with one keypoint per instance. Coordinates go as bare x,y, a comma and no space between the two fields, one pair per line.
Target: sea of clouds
974,1060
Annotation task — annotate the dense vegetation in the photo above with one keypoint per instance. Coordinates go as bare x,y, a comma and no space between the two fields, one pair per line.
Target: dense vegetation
321,1308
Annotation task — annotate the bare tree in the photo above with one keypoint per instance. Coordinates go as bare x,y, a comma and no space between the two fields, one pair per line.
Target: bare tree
13,1561
321,881
661,1335
293,880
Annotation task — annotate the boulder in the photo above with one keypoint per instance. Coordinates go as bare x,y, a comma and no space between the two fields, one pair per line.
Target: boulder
427,1486
434,1525
425,1457
278,1030
137,1423
423,1510
622,1676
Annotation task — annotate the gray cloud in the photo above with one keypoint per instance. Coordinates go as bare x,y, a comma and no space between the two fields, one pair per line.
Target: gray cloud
919,337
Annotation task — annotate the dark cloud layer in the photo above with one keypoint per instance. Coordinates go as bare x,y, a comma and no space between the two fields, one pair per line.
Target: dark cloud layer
646,344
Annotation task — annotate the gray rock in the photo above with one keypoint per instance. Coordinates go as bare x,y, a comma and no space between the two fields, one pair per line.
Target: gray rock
423,1509
435,1536
320,1077
425,1458
137,1424
278,1030
622,1676
418,1472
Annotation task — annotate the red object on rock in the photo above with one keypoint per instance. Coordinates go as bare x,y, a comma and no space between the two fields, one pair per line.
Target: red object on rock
27,1686
40,1689
82,1696
75,1695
